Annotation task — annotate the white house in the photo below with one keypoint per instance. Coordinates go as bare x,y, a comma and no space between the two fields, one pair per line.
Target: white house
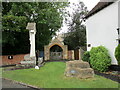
103,27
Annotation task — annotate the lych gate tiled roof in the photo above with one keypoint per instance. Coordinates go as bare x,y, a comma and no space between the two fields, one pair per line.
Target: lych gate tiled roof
98,7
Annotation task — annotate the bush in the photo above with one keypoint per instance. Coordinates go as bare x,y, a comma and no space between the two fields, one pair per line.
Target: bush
117,54
99,58
86,56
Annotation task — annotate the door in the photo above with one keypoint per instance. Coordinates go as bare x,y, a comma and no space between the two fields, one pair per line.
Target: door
76,54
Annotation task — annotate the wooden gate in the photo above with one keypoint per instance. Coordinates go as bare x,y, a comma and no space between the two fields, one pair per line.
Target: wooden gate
56,56
76,54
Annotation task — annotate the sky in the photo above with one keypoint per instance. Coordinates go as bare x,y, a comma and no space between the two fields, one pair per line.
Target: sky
88,3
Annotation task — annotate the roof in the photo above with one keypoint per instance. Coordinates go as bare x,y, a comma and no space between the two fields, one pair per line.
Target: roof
98,7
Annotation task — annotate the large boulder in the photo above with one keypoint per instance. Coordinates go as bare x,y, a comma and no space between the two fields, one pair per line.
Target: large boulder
79,69
77,64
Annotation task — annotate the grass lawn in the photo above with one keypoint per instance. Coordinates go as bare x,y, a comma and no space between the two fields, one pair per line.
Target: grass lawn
52,76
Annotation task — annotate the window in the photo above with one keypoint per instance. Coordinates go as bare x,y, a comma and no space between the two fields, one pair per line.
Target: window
89,45
118,30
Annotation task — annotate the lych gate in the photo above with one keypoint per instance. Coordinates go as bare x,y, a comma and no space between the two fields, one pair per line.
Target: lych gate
56,53
56,50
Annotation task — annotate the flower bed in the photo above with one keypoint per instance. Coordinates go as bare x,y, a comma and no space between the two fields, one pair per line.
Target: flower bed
113,75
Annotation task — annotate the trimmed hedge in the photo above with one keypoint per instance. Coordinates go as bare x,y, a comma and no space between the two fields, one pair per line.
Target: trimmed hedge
99,58
86,56
117,54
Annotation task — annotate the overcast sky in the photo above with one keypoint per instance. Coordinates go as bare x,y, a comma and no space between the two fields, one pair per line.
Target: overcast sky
88,3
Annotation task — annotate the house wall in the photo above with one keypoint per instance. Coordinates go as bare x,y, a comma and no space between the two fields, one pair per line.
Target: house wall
119,20
102,29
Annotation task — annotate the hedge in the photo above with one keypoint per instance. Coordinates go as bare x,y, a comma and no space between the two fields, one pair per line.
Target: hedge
99,58
117,54
86,56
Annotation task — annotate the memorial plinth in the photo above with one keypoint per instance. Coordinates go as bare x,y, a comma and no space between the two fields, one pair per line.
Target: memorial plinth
79,69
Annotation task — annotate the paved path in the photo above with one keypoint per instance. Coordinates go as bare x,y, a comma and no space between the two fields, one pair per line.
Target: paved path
12,84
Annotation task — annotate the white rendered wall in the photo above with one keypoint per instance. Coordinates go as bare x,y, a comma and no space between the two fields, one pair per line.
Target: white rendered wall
102,29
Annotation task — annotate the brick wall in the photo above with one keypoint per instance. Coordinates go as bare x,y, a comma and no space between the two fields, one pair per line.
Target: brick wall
16,59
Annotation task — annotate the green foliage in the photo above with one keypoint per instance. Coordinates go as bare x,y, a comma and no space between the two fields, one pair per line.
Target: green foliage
48,17
86,56
117,54
6,7
76,36
14,23
99,58
14,42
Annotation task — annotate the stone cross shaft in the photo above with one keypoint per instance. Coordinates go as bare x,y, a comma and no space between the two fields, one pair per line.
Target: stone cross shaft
32,31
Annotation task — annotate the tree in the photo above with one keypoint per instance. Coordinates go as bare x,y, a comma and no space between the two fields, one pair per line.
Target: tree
76,36
46,15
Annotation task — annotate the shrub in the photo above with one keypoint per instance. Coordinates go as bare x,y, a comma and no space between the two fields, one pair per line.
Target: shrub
86,56
117,54
99,58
